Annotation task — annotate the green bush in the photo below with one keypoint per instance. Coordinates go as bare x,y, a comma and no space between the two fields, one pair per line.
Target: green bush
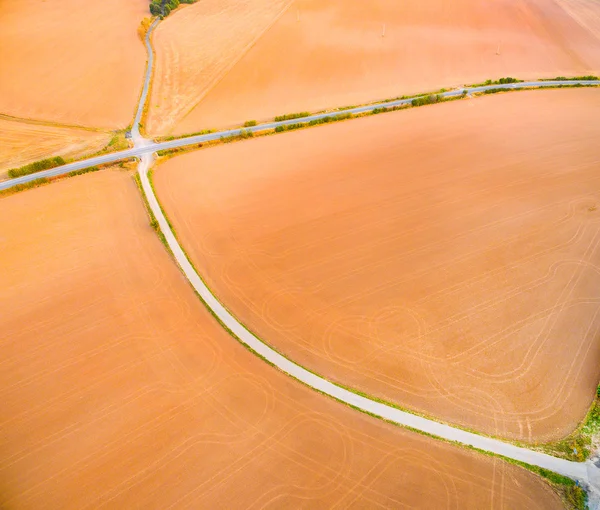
292,116
493,91
577,497
250,123
590,77
502,81
38,166
431,99
164,7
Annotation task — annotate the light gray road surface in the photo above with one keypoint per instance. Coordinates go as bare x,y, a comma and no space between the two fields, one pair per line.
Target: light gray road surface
135,130
148,147
586,473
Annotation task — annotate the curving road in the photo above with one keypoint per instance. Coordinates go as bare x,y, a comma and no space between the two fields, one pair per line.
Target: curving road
587,473
135,130
143,146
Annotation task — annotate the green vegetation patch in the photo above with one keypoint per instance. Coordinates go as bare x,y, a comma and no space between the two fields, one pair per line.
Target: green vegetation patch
579,445
37,166
501,81
22,187
292,116
163,8
589,77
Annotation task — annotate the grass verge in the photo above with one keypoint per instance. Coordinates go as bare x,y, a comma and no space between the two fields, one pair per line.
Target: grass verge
572,494
574,78
37,166
153,221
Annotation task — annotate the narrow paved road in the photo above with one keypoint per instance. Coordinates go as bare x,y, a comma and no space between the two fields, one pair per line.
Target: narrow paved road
143,146
587,472
138,140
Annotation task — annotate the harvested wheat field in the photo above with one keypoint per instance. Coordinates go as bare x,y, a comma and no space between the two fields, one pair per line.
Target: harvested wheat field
25,142
336,55
194,48
443,258
585,12
120,390
72,61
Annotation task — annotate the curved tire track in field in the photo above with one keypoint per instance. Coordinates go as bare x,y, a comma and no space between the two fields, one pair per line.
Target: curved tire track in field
585,472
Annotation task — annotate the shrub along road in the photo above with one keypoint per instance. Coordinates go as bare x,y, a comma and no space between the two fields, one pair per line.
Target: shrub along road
587,472
143,146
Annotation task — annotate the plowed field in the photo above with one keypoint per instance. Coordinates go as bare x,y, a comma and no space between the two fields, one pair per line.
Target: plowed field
24,142
335,54
444,258
72,61
120,390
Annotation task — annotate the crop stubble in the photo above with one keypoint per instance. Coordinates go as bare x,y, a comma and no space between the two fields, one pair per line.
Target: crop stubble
196,46
25,142
335,54
119,389
444,258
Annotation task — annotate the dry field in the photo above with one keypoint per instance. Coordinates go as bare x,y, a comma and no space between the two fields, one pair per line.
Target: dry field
72,61
445,258
585,12
196,46
25,142
120,390
335,55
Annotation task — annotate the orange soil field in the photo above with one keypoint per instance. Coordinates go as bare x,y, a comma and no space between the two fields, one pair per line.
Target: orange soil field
195,46
120,390
585,12
335,55
24,142
72,61
444,258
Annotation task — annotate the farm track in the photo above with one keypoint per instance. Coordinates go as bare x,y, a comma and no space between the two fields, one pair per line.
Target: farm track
587,473
145,147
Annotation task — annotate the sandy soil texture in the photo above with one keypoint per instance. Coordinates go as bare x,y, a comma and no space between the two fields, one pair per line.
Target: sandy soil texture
195,47
72,61
120,390
585,12
444,258
336,55
24,142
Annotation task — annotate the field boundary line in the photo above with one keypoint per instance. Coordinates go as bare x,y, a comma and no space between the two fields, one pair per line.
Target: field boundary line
49,123
146,147
217,79
574,470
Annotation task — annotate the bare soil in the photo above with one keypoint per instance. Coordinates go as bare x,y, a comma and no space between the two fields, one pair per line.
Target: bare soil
336,55
196,46
72,61
443,258
120,390
24,142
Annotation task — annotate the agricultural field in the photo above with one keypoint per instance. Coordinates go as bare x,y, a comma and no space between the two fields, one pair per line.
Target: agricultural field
23,142
196,46
70,61
331,53
585,12
120,390
442,258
